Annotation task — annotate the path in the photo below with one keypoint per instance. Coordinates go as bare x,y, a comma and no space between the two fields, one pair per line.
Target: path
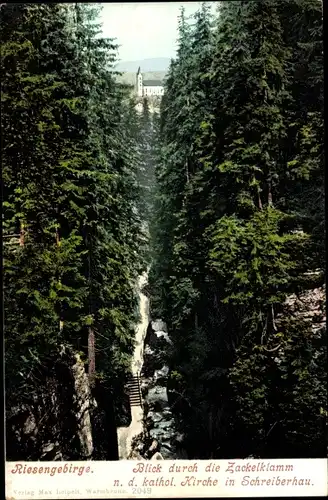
126,434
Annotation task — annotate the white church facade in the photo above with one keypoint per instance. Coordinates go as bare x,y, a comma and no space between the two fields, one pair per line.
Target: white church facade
146,88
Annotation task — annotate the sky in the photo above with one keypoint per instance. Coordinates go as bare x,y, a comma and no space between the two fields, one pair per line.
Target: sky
144,30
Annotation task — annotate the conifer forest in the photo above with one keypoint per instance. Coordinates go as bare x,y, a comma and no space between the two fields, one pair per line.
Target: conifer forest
218,197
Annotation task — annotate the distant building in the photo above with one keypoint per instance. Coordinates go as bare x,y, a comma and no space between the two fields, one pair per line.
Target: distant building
148,87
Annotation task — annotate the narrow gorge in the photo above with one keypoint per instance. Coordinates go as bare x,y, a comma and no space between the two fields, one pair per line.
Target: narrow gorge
164,254
151,433
126,434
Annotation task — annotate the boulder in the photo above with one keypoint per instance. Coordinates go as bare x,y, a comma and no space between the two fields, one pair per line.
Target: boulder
158,325
164,336
30,426
153,447
148,351
167,452
160,376
157,336
179,437
155,416
157,398
154,358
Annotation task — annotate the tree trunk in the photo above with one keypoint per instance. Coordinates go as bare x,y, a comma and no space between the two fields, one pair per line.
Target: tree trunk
91,356
187,172
270,191
196,321
259,199
210,431
22,235
61,322
57,238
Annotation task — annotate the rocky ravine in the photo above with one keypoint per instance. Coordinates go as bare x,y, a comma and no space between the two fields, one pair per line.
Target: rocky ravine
125,435
159,439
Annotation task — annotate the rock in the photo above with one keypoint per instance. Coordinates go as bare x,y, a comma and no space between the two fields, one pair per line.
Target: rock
48,448
155,416
157,398
165,425
155,433
163,335
158,325
167,453
161,435
157,336
157,344
179,437
134,455
30,425
308,306
148,351
167,414
167,435
154,358
83,402
153,447
145,384
167,446
161,375
50,451
157,456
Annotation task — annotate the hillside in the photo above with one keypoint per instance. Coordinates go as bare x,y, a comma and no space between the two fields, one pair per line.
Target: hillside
147,65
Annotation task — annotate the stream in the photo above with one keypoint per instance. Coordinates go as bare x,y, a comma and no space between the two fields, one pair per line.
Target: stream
125,435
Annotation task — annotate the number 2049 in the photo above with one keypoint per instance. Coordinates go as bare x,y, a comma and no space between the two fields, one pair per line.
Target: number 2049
139,491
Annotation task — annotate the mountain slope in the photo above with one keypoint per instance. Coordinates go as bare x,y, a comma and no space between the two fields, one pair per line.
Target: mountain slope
146,65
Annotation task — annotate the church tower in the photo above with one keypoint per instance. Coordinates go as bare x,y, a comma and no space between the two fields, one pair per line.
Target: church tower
139,83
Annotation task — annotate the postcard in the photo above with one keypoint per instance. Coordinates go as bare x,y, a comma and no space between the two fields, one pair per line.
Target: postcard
164,249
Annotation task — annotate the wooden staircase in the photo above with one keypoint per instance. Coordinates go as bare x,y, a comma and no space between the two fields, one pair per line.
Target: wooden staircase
134,391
